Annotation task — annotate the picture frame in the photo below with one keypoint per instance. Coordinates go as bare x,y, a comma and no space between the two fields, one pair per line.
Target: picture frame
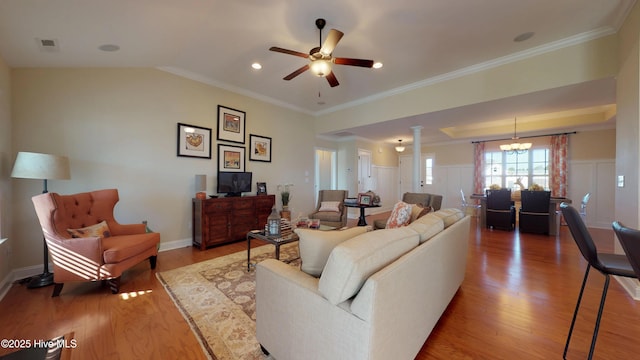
231,124
259,148
194,141
231,158
364,199
261,188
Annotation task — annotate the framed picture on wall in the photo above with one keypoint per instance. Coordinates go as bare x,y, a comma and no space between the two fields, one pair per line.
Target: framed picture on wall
259,148
194,141
231,158
231,124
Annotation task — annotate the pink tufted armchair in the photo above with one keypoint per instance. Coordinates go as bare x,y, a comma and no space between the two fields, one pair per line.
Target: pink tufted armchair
103,256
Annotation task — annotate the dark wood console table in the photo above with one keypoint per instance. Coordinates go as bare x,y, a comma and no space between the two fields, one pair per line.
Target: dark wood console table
362,221
222,220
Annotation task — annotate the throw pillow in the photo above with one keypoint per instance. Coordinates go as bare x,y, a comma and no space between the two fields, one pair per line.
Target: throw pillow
418,211
315,246
330,206
100,230
400,215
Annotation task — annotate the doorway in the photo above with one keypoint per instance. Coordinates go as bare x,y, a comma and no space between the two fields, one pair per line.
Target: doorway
326,168
406,174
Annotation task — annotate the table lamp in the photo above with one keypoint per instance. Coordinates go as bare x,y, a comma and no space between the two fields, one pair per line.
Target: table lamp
201,187
45,167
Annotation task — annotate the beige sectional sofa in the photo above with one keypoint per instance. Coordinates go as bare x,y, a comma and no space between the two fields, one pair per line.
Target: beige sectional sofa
378,297
424,199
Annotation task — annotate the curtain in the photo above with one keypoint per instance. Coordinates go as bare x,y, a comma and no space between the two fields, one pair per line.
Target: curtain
558,175
478,168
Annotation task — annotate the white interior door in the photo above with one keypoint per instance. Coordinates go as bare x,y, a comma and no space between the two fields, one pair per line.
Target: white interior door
326,171
426,183
364,171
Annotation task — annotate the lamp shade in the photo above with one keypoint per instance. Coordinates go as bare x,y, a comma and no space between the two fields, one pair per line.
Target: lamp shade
201,183
31,165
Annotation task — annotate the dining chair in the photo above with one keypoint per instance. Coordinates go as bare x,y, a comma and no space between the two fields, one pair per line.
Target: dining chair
607,264
583,206
630,241
465,205
534,212
500,212
583,212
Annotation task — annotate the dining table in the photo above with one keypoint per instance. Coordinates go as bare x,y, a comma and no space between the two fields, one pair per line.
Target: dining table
554,215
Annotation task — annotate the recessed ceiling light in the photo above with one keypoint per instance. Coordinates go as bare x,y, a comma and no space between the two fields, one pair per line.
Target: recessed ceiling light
256,66
523,36
109,47
377,65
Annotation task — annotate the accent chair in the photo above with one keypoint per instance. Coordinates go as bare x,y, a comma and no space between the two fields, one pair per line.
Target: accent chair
85,241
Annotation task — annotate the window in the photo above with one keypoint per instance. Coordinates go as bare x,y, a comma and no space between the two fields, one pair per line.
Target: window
428,171
509,170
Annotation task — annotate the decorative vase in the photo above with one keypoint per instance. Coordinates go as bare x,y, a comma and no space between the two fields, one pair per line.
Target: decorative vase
285,213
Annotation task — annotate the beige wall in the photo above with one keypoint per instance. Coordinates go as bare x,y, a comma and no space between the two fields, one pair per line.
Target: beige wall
6,163
119,129
627,123
592,60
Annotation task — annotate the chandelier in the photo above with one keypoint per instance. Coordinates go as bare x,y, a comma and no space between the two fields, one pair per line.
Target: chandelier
399,147
515,147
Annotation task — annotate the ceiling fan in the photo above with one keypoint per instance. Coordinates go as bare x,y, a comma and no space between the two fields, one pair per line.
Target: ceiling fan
320,57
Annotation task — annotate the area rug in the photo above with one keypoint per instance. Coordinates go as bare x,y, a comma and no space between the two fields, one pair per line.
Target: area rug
217,298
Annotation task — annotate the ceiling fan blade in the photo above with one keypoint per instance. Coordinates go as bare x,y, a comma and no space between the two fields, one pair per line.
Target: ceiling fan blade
331,78
297,72
331,41
290,52
353,62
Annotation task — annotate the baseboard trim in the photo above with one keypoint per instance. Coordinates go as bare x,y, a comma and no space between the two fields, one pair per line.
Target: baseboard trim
5,285
176,244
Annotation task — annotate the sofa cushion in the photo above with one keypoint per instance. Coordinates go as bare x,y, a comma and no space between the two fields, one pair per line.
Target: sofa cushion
315,246
328,216
418,211
119,248
100,230
353,261
449,216
400,215
427,226
330,206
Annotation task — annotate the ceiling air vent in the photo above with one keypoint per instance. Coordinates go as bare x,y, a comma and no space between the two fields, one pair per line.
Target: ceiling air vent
48,45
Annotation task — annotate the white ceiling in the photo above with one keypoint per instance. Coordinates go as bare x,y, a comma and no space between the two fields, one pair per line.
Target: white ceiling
217,41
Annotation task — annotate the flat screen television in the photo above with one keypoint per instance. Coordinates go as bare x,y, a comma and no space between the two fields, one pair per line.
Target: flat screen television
234,183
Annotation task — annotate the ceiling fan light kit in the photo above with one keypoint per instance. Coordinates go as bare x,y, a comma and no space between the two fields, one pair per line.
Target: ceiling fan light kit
321,59
320,68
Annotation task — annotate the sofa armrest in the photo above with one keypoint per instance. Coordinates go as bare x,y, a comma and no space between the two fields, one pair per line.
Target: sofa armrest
86,250
291,313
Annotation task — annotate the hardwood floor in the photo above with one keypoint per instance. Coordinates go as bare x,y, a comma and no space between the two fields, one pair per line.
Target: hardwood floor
516,303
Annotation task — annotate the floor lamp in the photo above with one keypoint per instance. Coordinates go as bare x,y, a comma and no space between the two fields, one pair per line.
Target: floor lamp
45,167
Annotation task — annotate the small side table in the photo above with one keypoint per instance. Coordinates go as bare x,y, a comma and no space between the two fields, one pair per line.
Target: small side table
361,221
274,240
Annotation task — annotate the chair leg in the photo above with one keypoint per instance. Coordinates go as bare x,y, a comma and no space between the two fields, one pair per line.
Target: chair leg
57,288
597,327
575,312
114,285
152,261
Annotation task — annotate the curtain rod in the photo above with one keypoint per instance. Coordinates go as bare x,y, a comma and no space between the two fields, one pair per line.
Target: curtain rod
525,137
